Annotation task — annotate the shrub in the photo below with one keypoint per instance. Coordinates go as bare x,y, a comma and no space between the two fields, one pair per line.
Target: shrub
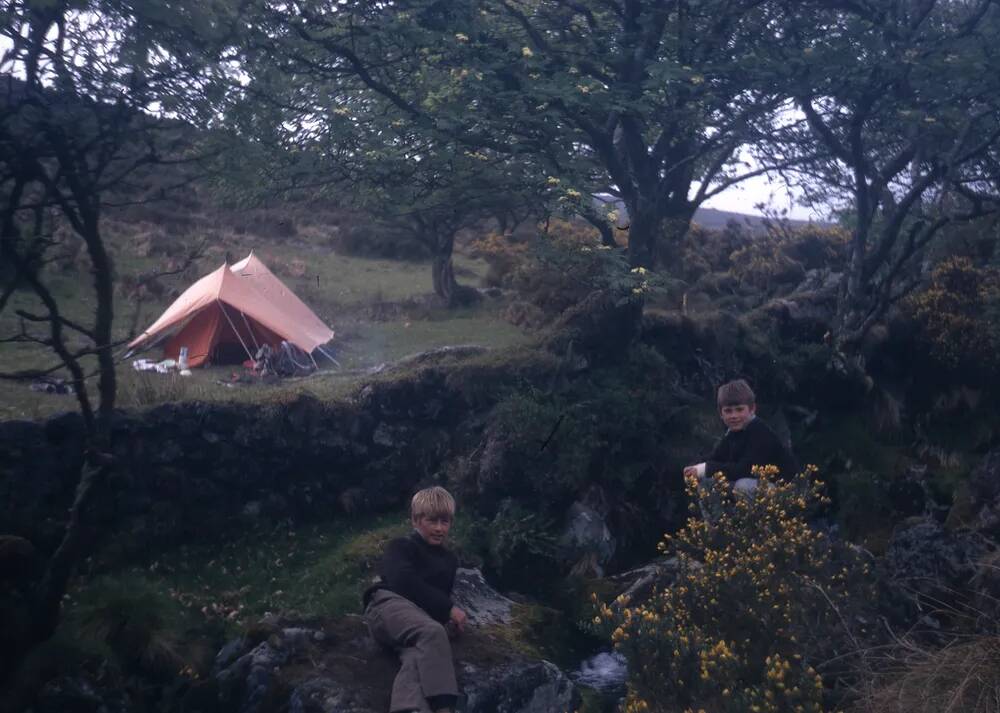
958,314
516,536
758,600
567,263
783,254
546,446
604,429
502,253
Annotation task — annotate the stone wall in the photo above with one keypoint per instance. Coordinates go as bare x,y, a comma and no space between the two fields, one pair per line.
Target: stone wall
184,471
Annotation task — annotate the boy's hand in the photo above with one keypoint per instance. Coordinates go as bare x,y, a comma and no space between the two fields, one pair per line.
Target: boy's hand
457,617
695,471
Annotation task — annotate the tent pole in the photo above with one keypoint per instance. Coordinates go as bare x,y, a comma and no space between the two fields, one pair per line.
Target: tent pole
325,353
250,329
223,308
291,355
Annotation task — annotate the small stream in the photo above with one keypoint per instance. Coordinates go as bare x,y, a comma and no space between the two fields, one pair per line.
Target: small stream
605,673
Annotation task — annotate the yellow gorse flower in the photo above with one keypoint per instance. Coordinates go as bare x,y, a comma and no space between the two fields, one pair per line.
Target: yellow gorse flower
683,643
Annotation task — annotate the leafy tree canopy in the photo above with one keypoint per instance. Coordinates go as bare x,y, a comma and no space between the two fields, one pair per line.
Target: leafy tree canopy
904,99
652,98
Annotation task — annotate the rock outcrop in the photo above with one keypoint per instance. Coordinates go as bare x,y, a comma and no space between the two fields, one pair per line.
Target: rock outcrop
336,667
586,543
930,573
484,605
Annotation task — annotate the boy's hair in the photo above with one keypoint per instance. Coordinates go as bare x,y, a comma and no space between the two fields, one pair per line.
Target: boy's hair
432,502
736,393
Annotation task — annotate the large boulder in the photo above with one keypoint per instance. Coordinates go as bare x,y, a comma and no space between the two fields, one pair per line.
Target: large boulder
253,682
518,686
334,666
484,605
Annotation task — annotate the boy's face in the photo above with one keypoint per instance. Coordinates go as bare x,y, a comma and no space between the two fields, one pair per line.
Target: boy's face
737,417
433,528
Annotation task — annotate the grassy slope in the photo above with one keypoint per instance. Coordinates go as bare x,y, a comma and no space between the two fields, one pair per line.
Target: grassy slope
168,617
374,305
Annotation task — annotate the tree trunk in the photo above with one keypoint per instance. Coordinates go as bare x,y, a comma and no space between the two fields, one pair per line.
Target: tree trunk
104,314
39,602
443,275
672,231
645,222
851,320
77,542
848,329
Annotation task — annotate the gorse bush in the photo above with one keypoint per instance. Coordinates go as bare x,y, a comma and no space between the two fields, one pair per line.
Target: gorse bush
958,314
502,253
757,602
783,254
568,262
766,259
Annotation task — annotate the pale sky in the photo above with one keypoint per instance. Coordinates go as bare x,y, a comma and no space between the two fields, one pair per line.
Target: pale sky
743,197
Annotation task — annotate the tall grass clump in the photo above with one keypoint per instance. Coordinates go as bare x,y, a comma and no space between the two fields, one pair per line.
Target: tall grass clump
963,677
150,388
136,623
760,600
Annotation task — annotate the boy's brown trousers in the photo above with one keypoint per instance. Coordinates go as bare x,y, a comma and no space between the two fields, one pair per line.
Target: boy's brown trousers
422,645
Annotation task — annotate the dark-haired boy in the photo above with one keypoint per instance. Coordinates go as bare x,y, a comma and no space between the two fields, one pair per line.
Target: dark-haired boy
410,605
747,442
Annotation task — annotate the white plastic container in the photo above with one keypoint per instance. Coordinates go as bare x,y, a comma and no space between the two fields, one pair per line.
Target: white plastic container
182,359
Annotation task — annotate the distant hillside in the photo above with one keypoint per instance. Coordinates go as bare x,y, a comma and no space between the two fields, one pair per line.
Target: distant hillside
707,218
713,219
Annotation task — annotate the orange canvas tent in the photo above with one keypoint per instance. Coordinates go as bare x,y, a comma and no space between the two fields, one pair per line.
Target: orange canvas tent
228,314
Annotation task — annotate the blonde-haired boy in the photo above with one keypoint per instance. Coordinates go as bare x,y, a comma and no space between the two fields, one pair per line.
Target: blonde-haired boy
410,605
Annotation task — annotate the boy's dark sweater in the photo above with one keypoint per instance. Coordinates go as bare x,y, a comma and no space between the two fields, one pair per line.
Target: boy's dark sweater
755,444
419,571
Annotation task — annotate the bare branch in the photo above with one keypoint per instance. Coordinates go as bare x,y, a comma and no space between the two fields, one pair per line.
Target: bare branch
63,320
